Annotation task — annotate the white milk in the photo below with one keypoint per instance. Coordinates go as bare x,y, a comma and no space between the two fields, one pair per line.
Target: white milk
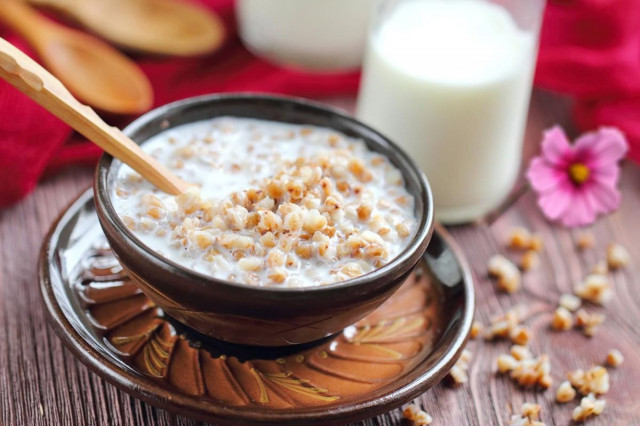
314,34
449,81
228,155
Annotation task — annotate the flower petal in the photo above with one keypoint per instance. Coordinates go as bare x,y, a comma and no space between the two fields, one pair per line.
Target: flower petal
597,149
555,146
555,203
582,211
604,198
544,177
606,175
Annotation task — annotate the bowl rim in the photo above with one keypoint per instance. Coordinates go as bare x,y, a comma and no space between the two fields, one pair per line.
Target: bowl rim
422,234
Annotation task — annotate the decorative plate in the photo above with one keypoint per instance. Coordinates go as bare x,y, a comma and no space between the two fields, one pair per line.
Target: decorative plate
400,350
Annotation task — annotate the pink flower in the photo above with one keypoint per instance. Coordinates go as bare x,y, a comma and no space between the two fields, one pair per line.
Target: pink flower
575,183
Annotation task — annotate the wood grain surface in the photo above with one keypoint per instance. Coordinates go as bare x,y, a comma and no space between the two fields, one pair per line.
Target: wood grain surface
42,384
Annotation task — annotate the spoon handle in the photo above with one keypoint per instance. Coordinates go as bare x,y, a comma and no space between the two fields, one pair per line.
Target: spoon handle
30,78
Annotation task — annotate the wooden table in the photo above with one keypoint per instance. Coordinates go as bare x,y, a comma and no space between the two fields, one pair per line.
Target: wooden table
41,383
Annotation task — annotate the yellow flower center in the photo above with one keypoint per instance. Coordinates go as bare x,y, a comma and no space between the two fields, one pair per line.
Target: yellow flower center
579,173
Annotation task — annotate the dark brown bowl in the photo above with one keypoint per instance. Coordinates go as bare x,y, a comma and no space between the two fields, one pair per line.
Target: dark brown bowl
244,314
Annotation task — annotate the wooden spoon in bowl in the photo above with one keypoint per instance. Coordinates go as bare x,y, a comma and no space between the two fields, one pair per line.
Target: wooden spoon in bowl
166,27
30,78
95,72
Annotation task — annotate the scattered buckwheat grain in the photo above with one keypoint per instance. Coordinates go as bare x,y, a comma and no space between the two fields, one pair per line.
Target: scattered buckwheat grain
600,268
536,243
508,326
589,406
570,302
459,371
594,380
595,288
565,392
506,363
520,335
588,322
507,273
520,352
527,371
585,241
530,260
562,319
530,416
418,417
476,329
519,238
614,358
617,256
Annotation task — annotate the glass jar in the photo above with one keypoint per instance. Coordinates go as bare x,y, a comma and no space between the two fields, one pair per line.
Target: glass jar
321,35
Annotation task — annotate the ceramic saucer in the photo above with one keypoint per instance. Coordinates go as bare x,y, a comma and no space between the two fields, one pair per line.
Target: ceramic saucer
400,350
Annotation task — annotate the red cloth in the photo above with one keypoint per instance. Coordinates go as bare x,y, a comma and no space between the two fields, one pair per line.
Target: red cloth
32,141
590,49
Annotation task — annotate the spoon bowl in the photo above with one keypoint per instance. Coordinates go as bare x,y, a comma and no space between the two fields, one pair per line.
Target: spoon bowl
165,27
95,72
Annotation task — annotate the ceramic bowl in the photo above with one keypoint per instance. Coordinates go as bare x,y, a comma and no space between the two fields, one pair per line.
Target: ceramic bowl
245,314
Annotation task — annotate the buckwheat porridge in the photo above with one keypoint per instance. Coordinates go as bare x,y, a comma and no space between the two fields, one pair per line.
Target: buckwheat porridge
274,203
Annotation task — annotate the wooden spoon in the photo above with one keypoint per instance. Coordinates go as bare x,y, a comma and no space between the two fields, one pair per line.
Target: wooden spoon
34,81
95,72
166,27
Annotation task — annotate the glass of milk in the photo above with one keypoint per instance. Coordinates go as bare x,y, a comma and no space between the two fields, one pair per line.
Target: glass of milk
321,35
450,81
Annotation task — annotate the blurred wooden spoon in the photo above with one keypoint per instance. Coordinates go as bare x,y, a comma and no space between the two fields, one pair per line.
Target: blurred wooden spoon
30,78
167,27
95,72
